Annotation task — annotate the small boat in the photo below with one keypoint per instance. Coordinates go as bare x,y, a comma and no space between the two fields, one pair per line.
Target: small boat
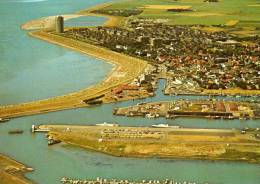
53,141
215,117
229,117
150,116
15,132
2,120
107,124
161,126
164,126
141,103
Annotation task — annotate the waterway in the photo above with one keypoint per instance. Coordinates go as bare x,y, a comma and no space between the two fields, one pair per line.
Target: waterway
52,163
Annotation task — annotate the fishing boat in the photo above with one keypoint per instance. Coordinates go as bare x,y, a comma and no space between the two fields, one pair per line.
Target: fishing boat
2,120
15,132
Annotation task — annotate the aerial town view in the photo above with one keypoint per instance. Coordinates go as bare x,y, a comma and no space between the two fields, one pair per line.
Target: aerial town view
130,92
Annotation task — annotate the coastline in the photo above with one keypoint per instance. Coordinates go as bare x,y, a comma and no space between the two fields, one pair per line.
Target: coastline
132,67
12,171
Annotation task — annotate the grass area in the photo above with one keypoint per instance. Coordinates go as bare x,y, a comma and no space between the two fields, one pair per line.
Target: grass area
229,13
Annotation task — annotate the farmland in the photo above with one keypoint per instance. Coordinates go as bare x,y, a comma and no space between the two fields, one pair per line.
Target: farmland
235,16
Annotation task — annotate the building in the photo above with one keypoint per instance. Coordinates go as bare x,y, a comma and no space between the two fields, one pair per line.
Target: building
59,22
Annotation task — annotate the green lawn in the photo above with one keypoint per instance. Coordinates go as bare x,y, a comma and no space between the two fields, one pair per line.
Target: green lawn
247,12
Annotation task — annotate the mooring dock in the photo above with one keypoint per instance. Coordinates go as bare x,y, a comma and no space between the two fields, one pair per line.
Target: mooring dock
114,181
38,128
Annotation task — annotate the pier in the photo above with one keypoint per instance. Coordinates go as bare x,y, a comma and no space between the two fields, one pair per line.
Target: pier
211,109
36,128
114,181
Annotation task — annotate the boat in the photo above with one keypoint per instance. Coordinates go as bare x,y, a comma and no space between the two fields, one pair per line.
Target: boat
107,124
229,117
215,117
52,141
2,120
15,132
161,126
141,103
164,126
150,116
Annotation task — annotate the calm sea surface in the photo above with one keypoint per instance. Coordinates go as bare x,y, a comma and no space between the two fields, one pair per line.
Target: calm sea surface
31,69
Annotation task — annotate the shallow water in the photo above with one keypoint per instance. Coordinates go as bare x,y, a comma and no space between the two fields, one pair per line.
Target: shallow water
85,21
31,69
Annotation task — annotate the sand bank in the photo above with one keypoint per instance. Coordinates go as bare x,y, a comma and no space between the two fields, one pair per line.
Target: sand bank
45,22
12,172
49,22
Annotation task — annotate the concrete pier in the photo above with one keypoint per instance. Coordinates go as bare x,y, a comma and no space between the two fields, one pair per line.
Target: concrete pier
36,128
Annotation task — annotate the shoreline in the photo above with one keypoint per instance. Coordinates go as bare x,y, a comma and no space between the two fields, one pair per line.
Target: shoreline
132,67
13,172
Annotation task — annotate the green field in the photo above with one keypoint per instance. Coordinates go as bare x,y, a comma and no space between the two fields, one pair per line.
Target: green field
245,14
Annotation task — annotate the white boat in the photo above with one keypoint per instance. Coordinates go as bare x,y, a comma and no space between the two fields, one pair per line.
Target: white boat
150,116
164,126
107,124
4,120
161,126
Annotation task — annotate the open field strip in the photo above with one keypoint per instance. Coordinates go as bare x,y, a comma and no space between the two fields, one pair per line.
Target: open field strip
175,143
167,7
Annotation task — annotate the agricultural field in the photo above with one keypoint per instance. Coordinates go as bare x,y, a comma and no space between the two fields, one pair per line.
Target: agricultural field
236,16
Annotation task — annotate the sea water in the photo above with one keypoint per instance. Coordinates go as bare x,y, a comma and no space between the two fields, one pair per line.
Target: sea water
27,63
31,69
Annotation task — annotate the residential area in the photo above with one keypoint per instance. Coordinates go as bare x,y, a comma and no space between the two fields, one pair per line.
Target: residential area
190,59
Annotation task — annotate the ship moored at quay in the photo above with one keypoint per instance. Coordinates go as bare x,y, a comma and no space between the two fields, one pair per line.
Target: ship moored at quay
98,180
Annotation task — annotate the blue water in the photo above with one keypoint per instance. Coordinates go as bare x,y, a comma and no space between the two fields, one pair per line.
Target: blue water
85,21
32,69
